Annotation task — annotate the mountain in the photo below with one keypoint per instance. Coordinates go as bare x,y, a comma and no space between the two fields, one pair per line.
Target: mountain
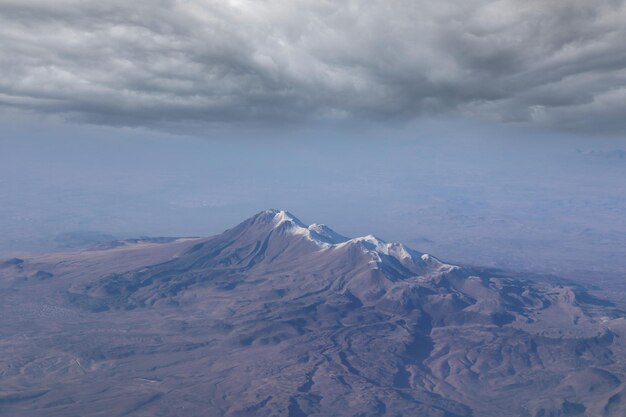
277,318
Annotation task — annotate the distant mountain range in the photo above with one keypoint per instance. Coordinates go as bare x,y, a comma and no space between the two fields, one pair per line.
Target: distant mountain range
277,318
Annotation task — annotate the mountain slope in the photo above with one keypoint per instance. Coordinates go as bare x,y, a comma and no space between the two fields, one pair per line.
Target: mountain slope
274,317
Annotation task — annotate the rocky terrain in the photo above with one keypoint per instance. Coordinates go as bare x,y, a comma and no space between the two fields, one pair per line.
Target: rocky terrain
277,318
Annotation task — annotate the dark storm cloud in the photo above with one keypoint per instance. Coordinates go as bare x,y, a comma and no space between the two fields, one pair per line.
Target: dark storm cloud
559,63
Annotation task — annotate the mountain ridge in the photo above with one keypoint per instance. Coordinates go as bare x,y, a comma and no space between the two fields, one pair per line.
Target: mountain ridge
274,317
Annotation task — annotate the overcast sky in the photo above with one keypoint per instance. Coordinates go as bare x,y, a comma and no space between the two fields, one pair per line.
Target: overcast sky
209,65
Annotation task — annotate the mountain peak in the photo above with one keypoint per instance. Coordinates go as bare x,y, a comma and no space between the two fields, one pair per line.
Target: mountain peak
283,216
284,221
326,234
324,237
276,217
274,236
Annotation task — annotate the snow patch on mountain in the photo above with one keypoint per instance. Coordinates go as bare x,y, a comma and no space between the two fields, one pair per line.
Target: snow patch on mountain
326,238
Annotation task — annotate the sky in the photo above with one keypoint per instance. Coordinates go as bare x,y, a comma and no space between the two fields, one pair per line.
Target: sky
209,65
484,132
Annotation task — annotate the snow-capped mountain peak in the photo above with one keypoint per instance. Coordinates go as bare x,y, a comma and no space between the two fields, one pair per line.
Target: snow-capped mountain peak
286,222
326,234
282,226
282,216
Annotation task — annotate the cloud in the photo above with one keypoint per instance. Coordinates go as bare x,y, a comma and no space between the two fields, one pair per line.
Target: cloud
167,63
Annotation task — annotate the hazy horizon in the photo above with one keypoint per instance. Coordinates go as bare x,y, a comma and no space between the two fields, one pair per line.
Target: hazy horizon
480,193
